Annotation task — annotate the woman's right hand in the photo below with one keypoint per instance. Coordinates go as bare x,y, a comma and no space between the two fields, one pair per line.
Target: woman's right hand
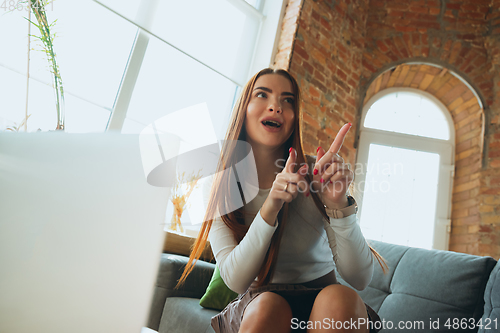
285,188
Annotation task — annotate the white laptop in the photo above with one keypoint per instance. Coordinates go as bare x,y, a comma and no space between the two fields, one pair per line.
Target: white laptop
81,233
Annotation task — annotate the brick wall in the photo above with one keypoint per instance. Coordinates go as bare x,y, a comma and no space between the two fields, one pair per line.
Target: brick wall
342,47
489,229
327,61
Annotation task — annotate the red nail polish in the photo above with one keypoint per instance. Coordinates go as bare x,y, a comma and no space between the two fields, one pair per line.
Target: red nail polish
315,172
290,150
318,149
350,124
307,194
321,180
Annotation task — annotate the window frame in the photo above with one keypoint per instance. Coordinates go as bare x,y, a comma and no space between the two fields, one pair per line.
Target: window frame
445,149
270,14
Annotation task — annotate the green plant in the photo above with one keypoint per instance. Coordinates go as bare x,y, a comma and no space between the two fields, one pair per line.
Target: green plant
38,7
17,128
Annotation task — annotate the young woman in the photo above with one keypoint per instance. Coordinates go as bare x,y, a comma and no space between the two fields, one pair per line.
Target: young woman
280,249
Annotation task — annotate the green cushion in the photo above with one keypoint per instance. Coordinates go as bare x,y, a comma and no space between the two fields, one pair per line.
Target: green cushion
218,295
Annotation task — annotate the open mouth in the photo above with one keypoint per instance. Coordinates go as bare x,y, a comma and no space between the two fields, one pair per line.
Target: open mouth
271,123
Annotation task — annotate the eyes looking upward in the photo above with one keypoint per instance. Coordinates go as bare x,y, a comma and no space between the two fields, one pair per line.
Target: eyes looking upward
287,99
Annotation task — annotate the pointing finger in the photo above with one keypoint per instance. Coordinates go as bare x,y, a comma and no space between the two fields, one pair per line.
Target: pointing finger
339,139
290,162
320,152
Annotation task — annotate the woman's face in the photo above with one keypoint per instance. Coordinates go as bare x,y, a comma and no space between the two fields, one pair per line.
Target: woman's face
270,115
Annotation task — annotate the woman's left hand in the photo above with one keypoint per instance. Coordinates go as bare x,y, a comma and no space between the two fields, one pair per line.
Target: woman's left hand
331,176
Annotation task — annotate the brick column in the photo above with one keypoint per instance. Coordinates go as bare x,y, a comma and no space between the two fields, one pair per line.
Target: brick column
489,229
326,61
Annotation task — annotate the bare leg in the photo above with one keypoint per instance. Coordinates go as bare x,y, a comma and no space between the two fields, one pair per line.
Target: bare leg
340,304
268,312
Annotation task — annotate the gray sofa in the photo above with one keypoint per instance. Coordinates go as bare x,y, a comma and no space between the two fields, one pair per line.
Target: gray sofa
424,291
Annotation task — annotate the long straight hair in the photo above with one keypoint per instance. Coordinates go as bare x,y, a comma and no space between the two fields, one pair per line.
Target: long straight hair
221,187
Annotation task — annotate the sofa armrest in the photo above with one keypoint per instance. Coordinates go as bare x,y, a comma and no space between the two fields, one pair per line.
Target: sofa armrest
170,271
491,316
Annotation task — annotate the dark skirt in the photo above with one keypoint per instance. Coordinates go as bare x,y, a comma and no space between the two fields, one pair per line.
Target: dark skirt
301,299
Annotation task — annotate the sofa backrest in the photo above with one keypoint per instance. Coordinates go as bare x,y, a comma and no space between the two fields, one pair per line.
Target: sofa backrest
427,288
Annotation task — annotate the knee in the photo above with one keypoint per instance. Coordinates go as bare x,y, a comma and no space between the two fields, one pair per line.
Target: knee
341,302
267,312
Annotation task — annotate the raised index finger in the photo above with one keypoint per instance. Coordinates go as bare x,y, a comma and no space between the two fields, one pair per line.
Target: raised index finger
339,139
290,162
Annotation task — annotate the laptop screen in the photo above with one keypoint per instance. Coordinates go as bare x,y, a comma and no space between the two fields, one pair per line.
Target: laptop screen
81,233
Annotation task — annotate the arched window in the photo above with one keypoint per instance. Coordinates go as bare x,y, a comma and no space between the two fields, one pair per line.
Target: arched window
405,169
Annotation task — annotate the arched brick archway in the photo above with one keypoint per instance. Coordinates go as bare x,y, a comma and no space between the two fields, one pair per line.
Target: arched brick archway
461,36
468,117
337,48
454,37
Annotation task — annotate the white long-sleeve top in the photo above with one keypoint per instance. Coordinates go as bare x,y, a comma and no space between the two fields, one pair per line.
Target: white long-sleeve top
310,248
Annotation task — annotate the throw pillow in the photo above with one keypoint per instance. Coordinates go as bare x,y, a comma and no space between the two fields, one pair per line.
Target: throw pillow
218,295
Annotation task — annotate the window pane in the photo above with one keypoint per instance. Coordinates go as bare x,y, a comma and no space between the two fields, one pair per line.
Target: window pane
127,8
408,113
215,32
13,100
14,40
170,81
92,57
399,196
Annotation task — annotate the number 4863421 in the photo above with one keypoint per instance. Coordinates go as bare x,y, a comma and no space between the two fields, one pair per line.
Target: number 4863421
470,323
11,5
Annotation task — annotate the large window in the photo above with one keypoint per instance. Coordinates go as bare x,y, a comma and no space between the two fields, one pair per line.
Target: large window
405,169
151,56
125,64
